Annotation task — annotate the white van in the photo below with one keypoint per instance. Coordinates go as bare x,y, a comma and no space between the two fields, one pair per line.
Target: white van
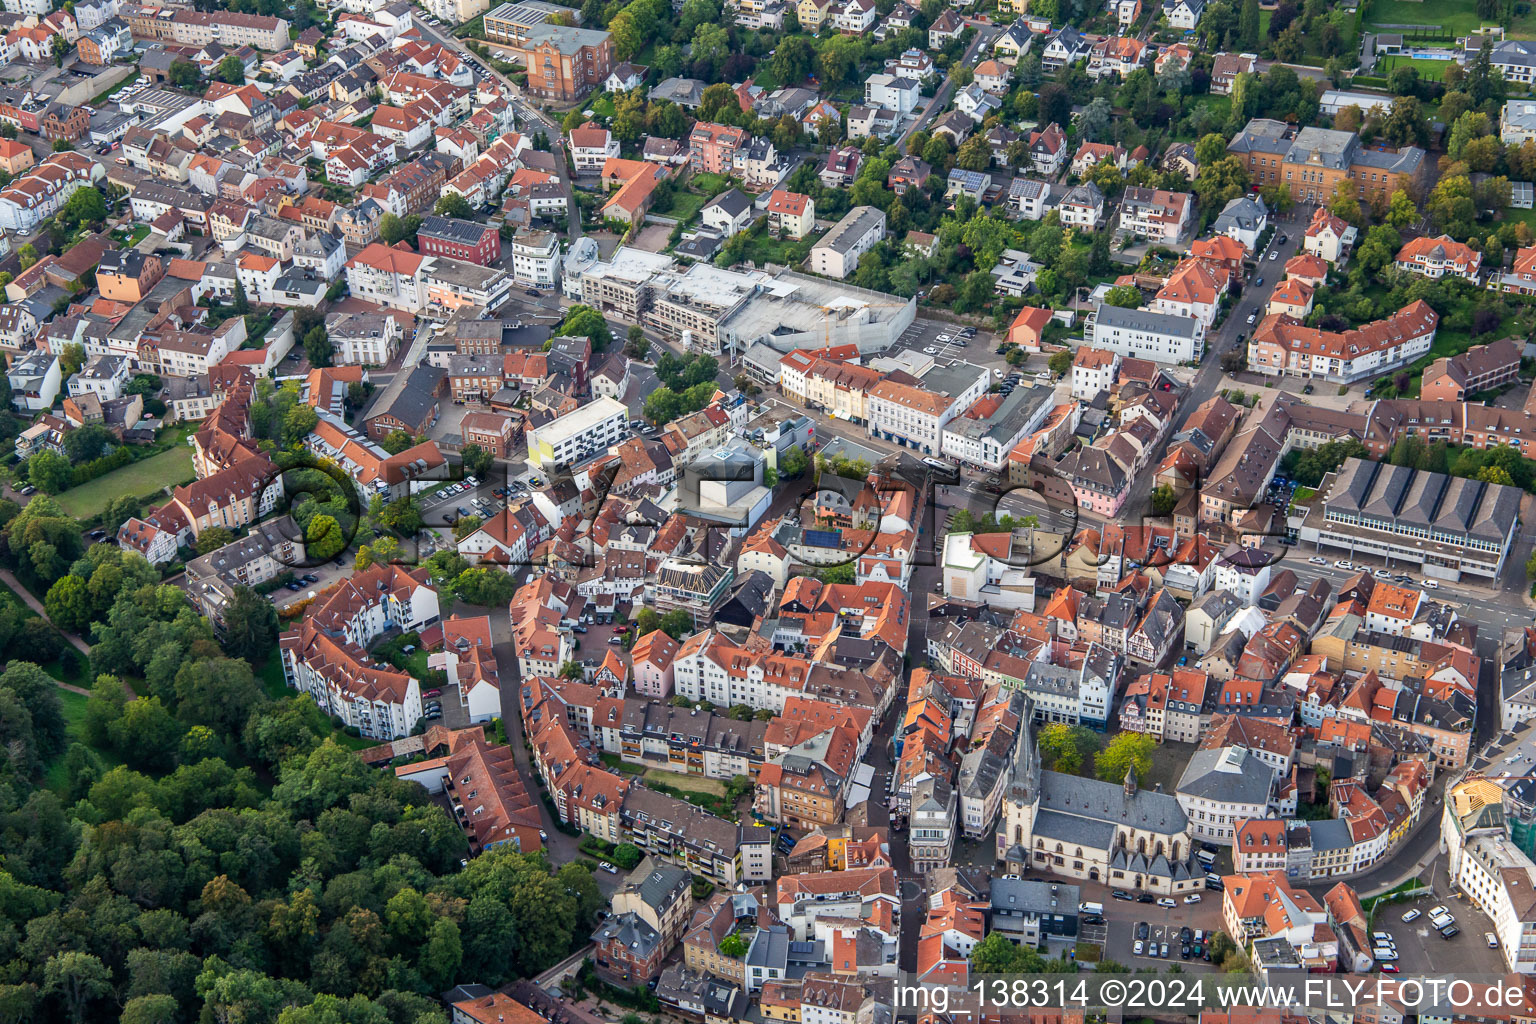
1091,909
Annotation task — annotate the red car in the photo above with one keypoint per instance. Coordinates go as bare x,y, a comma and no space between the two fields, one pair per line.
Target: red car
433,693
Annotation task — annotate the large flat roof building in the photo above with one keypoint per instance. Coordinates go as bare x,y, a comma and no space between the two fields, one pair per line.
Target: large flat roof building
1447,525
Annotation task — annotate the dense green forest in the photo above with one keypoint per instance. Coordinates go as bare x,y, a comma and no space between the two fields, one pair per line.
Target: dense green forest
184,846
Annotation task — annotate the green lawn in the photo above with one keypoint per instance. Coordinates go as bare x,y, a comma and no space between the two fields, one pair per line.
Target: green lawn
765,248
690,783
1526,217
1457,17
74,716
1433,70
603,107
684,206
144,477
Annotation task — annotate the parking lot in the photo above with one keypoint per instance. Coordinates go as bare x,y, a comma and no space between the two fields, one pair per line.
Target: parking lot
1124,923
922,335
1421,949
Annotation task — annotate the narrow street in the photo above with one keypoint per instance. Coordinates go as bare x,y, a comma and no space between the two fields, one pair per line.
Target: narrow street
1254,298
984,37
526,114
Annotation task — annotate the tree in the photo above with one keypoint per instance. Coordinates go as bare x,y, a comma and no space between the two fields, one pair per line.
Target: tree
485,586
49,472
77,979
250,626
397,441
451,204
403,516
1163,500
324,538
1127,751
217,692
242,303
69,604
586,322
626,855
733,946
1065,747
393,229
477,460
317,347
87,442
27,254
1093,122
793,463
212,539
1221,947
183,74
1248,25
1124,296
636,345
1060,363
84,206
995,954
974,154
232,70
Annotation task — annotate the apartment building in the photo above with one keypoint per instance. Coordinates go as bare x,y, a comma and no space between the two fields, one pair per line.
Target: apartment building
1160,216
325,655
536,258
363,339
791,214
837,253
266,552
39,193
915,415
1439,257
577,436
713,148
1480,368
466,240
1282,345
432,285
1144,334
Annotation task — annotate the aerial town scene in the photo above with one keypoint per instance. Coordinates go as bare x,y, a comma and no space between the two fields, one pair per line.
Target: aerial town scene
784,511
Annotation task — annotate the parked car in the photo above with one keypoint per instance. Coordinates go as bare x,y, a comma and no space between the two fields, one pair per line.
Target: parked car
1142,929
1166,902
1137,947
1192,898
1145,897
616,639
609,868
1450,931
1121,894
1318,560
433,693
